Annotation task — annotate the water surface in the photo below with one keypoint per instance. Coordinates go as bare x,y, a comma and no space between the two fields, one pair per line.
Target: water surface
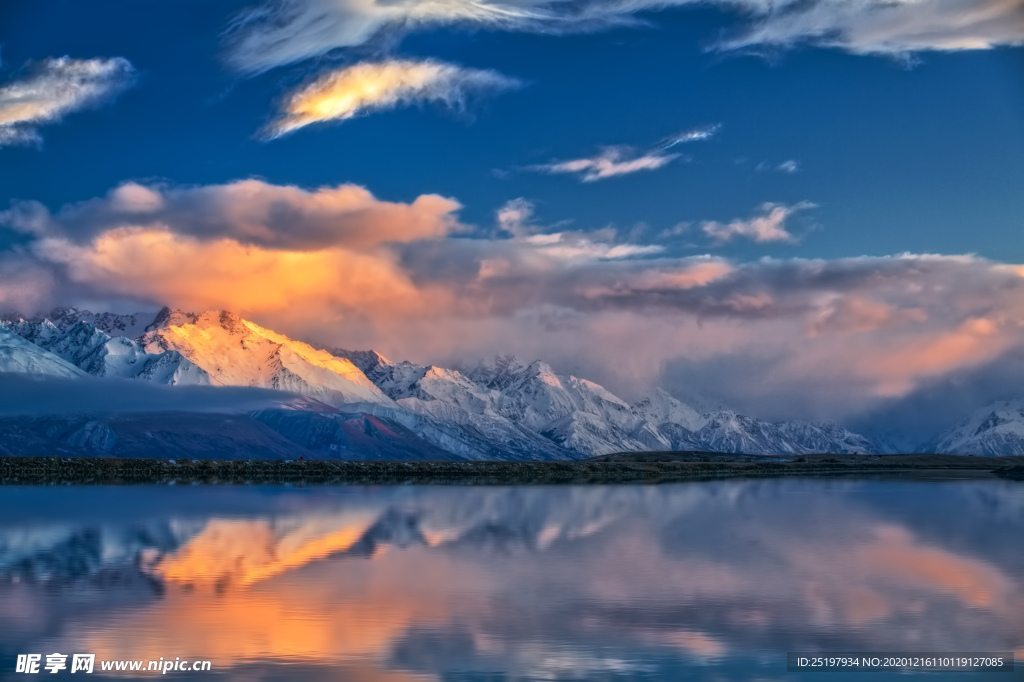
707,580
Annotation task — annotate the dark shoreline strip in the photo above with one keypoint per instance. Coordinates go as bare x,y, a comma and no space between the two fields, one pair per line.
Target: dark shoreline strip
641,468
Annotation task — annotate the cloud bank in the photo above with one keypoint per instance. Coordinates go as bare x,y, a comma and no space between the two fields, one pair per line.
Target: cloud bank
288,31
53,88
375,86
248,212
820,338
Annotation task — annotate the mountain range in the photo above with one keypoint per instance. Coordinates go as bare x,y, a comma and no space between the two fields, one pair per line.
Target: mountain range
358,404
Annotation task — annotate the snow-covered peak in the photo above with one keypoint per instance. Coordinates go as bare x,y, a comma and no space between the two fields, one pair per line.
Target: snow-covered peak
171,318
370,362
441,374
19,356
237,352
661,407
826,437
499,371
100,354
38,332
131,326
997,429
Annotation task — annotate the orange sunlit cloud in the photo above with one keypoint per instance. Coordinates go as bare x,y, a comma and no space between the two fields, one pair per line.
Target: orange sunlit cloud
160,265
976,341
253,212
372,86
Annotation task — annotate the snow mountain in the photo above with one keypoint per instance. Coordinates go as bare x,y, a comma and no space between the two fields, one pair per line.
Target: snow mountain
362,402
532,409
130,326
995,430
525,407
661,407
96,352
447,396
722,430
19,356
236,352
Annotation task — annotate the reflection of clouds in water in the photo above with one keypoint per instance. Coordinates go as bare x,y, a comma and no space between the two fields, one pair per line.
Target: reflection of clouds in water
566,582
324,615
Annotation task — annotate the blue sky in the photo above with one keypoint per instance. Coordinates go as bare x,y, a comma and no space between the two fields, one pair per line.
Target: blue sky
833,131
928,157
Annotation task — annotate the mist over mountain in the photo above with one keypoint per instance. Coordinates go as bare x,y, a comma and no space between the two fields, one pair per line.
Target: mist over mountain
71,379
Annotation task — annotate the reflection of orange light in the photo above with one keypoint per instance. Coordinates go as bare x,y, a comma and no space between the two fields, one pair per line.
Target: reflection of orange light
245,626
696,643
343,612
864,605
896,555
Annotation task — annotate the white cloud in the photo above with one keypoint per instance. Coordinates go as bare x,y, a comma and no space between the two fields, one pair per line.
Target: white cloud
768,227
698,134
789,166
287,31
374,86
884,26
572,246
610,163
516,217
55,87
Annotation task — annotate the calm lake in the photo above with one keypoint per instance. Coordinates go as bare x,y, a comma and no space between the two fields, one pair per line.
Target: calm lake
707,580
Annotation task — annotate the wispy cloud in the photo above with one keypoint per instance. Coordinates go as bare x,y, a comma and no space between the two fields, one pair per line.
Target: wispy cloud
697,134
287,31
376,86
788,167
619,160
609,163
883,26
54,88
770,226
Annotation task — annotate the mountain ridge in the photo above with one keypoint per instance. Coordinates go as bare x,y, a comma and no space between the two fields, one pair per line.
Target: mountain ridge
501,408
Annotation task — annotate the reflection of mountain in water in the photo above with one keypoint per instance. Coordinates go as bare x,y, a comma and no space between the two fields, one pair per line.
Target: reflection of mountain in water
557,582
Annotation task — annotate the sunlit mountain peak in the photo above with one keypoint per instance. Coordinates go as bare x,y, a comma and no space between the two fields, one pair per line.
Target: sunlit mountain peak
237,352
